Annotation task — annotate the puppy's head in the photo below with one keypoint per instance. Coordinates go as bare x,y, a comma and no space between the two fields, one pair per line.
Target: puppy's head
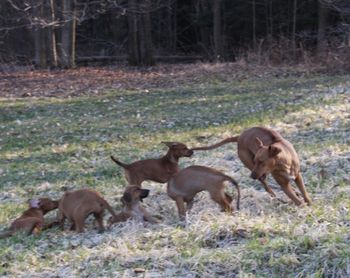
179,149
264,160
44,204
134,194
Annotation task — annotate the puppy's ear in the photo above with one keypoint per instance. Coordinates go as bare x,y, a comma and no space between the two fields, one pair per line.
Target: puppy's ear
34,203
144,193
258,142
126,198
274,150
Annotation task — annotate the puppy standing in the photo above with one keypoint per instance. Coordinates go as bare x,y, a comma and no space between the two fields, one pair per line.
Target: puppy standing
32,220
265,151
158,170
131,199
78,205
184,185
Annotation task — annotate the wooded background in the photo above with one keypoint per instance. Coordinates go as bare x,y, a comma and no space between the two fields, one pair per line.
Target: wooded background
62,33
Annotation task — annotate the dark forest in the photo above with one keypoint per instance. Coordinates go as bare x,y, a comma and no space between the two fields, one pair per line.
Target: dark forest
67,33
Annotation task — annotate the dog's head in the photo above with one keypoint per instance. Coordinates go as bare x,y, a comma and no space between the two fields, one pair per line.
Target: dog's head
44,204
134,194
264,160
179,149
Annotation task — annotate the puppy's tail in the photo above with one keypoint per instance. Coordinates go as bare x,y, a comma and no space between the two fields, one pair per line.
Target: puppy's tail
233,181
5,234
108,207
118,162
214,146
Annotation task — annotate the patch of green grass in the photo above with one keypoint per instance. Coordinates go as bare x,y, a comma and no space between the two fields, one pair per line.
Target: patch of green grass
47,145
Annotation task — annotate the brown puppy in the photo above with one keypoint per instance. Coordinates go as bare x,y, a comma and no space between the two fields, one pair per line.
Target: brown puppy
131,199
184,185
158,170
265,151
32,220
78,205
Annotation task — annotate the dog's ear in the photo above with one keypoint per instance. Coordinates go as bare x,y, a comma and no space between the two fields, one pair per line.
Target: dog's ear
34,203
258,142
169,144
126,198
274,150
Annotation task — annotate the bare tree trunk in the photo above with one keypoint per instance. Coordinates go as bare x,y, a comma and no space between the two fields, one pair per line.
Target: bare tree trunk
169,25
147,49
204,33
322,25
254,23
175,26
39,35
271,18
295,4
132,34
139,34
218,55
68,34
52,35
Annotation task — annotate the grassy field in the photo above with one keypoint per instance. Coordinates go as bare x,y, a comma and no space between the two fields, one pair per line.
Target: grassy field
48,145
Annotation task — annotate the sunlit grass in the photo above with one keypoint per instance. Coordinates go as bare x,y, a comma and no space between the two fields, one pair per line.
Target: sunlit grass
48,145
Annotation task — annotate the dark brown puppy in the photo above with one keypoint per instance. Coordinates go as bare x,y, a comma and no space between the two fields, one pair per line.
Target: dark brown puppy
158,170
132,208
32,220
265,151
184,185
78,205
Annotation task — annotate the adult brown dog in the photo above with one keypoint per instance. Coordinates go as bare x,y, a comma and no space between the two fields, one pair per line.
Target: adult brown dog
265,151
77,205
185,184
32,220
158,170
132,208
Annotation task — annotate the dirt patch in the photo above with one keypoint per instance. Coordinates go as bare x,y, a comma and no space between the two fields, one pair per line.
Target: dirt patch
26,82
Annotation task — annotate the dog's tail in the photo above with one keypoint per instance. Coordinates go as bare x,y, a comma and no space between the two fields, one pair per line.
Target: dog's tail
5,234
118,162
108,207
214,146
234,182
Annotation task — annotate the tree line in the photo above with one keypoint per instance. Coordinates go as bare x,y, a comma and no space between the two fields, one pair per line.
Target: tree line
60,33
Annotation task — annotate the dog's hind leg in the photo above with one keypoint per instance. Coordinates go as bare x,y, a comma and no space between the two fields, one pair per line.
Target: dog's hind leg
181,207
99,219
300,183
79,224
61,219
221,199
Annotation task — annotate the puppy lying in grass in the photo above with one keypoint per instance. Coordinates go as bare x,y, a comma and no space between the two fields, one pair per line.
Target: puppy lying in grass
32,220
131,199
